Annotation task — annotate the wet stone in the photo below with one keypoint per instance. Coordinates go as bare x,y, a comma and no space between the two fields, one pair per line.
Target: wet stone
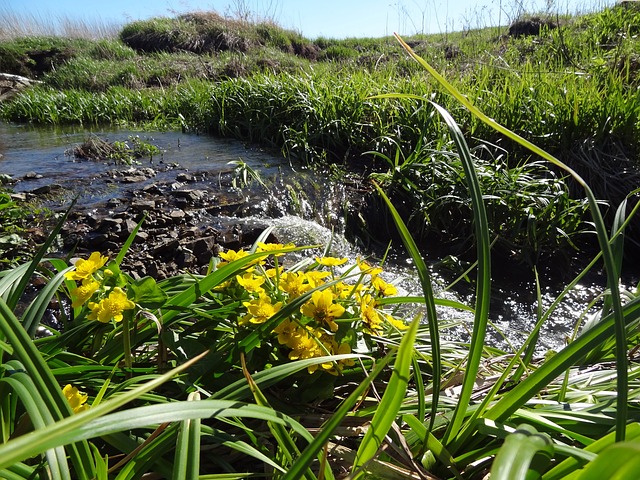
143,205
133,179
185,177
153,189
177,216
31,176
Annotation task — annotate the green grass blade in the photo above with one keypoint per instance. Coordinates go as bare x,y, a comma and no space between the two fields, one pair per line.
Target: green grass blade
287,444
620,461
572,464
390,404
483,282
187,455
603,238
560,362
266,378
127,244
322,437
66,430
53,399
19,289
514,458
427,289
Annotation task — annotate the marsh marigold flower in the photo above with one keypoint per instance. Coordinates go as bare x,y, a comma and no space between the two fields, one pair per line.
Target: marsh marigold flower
77,401
111,307
231,255
385,289
83,293
370,316
259,310
322,309
268,247
251,282
331,261
294,283
85,268
365,268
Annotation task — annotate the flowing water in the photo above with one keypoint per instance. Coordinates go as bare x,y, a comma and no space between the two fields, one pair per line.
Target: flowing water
314,219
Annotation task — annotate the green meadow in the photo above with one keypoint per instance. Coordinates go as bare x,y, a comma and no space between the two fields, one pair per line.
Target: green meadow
508,149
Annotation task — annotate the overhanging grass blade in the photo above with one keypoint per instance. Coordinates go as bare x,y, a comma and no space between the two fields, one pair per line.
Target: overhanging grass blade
483,282
55,402
603,239
67,430
427,289
320,440
390,404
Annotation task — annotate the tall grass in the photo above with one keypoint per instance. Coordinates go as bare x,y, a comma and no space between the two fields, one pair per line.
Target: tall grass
209,370
16,25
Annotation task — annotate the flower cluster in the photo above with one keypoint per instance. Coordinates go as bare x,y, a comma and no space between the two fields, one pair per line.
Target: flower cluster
105,302
340,303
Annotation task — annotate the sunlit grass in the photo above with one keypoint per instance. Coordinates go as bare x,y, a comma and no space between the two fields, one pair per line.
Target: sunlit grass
15,25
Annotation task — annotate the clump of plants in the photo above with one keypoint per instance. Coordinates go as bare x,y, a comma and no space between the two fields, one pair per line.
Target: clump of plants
209,32
121,151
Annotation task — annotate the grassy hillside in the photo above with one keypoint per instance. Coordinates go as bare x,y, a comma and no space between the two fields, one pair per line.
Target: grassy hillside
568,84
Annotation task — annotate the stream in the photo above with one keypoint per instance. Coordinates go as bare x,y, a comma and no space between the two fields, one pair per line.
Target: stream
36,159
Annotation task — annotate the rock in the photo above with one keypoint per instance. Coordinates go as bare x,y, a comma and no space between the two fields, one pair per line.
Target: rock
32,176
133,179
185,177
153,189
45,189
19,197
177,216
142,206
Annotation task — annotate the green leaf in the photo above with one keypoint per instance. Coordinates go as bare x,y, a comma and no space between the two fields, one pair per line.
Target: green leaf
147,293
617,462
514,458
390,403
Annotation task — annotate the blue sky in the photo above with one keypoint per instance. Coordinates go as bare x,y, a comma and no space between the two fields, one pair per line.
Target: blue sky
329,18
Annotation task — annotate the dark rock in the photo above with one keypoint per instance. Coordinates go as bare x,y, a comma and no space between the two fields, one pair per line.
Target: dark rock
153,189
45,189
177,216
530,26
185,177
133,179
142,206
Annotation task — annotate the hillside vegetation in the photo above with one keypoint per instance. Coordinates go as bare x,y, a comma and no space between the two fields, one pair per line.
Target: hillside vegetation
569,84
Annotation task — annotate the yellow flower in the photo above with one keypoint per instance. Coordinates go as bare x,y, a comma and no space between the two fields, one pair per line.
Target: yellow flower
306,346
369,314
77,400
83,293
250,282
322,309
316,278
259,310
231,255
294,283
331,261
111,307
85,268
368,269
385,289
287,331
268,247
399,324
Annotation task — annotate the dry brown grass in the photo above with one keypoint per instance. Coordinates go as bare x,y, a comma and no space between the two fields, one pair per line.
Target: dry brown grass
15,25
